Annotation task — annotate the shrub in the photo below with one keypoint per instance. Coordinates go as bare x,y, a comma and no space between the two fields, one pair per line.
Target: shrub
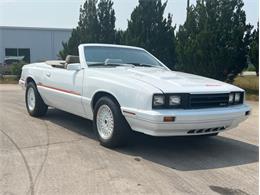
251,68
5,70
16,69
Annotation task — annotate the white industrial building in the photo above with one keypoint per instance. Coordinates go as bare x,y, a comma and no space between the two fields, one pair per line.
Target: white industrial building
35,44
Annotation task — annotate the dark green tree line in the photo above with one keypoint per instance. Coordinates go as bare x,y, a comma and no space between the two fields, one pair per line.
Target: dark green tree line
96,25
254,49
106,18
149,29
214,39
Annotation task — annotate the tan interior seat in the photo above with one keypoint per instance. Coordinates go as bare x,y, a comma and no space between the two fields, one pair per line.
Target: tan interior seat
56,63
70,59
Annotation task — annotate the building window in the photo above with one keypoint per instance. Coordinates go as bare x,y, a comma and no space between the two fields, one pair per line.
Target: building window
25,53
19,52
11,52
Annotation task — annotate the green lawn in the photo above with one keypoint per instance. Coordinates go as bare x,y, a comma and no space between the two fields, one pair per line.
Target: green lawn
249,83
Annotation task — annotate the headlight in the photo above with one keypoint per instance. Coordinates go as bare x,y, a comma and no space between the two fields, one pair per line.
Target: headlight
237,97
231,98
169,100
158,100
174,100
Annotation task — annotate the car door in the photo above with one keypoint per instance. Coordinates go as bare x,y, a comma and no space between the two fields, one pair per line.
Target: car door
63,89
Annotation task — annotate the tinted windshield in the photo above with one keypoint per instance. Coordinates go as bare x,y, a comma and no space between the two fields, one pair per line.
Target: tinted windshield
98,54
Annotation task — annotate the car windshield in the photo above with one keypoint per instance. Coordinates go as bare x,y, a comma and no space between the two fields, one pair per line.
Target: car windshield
97,55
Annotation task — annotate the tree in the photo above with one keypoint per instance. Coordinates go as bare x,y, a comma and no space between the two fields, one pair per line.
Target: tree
71,47
149,29
106,17
96,25
254,49
213,41
120,37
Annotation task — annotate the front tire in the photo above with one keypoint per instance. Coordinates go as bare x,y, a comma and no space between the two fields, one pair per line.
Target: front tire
110,125
34,103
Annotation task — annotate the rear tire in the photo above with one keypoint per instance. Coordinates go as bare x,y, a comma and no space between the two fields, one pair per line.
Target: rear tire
34,103
110,125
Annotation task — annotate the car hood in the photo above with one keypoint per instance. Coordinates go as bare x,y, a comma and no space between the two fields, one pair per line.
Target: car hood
171,81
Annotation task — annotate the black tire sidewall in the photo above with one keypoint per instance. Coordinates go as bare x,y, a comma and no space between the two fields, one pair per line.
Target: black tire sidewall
121,128
40,107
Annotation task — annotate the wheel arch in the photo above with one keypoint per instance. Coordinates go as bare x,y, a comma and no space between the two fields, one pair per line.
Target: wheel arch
100,94
28,80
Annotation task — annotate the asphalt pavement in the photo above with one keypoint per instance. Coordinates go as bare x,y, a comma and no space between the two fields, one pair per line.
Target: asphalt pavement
59,154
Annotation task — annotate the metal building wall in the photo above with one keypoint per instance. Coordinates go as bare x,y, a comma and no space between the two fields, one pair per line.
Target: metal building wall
44,44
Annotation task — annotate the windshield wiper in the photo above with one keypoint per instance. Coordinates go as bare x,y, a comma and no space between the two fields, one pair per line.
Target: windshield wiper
142,65
104,64
122,64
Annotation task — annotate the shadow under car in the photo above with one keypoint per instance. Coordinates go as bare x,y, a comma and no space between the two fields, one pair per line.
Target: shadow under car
181,153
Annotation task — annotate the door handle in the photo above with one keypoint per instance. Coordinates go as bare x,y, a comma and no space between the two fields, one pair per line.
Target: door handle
48,74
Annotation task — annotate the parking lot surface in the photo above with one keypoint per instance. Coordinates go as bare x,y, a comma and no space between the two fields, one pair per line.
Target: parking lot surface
59,154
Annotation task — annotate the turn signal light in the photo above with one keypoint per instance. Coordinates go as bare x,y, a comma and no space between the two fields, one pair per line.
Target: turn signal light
168,119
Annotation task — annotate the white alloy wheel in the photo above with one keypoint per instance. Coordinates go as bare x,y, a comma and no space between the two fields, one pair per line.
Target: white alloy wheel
105,122
31,99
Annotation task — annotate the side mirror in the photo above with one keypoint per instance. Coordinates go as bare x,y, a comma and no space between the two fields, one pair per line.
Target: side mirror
76,67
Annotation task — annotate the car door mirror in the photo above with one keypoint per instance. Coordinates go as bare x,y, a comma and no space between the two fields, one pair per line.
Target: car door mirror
76,67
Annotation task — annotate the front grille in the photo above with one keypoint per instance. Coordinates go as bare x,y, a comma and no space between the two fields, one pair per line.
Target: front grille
208,100
197,101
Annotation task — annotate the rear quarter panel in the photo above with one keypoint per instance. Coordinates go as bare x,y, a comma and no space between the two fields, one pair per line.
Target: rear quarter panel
36,72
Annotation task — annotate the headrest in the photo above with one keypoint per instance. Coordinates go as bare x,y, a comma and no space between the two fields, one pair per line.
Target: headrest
70,59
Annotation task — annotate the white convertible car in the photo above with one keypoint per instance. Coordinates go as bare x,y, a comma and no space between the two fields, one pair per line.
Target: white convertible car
124,88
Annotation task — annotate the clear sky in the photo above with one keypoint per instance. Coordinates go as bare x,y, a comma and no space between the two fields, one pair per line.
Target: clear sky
65,13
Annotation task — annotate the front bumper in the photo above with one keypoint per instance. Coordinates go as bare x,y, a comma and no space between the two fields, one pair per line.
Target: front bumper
199,120
22,83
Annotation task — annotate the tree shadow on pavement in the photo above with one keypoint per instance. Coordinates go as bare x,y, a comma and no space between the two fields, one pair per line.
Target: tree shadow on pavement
180,153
